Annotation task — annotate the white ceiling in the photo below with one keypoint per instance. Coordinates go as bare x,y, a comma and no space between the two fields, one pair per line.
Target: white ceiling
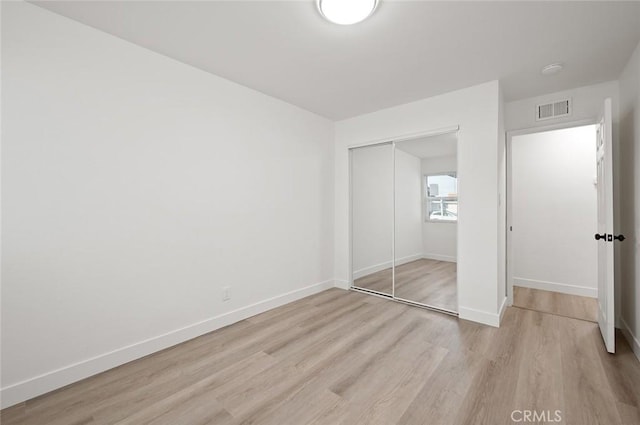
430,147
406,51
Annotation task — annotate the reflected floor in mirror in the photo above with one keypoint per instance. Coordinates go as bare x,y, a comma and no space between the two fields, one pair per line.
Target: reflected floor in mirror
424,281
379,281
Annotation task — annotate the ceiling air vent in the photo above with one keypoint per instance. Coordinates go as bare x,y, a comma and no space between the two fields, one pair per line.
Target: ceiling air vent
547,111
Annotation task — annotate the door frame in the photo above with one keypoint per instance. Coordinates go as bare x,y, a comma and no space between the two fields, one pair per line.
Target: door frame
392,140
508,194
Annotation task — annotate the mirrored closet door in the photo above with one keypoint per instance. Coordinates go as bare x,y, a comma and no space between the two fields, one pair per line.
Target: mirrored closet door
372,218
426,215
404,213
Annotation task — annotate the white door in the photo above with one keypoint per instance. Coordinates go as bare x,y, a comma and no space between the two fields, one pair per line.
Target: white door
605,237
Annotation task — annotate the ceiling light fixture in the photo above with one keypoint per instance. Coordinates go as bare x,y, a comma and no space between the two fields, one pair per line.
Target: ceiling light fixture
346,12
551,69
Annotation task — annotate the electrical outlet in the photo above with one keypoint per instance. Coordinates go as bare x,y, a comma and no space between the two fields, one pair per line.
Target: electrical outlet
225,294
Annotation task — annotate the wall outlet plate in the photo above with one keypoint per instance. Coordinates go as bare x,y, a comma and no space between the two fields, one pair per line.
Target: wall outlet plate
225,293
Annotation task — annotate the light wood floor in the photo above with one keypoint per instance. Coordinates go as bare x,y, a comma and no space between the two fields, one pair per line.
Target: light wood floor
575,306
425,281
347,358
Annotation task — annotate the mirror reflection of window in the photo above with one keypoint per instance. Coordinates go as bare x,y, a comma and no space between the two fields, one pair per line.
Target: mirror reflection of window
441,195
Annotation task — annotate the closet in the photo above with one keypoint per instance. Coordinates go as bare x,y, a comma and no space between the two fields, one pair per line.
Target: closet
404,211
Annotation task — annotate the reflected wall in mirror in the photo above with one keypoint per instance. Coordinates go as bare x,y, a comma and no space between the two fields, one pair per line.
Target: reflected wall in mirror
426,214
372,217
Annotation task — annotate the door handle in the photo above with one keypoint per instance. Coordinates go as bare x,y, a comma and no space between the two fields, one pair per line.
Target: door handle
610,238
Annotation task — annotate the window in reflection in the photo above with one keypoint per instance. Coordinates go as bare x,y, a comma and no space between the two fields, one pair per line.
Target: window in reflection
441,195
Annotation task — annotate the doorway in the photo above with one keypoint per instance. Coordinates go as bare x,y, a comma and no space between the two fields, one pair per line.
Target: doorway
552,217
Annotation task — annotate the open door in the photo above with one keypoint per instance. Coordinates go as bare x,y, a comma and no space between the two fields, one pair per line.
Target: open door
605,237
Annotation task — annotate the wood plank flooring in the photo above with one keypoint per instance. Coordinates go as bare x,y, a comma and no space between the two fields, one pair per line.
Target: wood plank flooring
343,357
575,306
429,282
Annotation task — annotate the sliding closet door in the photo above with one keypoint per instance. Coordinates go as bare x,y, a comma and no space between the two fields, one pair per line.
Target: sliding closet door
372,218
409,283
426,211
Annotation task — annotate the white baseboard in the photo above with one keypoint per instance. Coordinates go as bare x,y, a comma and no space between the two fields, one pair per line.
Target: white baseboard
357,274
486,318
503,308
439,257
633,341
386,265
341,284
408,259
50,381
563,288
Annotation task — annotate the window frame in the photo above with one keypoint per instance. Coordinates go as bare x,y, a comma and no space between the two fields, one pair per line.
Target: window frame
426,199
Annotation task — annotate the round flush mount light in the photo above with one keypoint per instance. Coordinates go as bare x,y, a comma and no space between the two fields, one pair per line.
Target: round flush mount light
551,69
346,12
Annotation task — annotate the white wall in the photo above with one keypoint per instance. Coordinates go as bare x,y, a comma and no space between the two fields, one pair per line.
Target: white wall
408,210
372,208
475,110
630,199
554,214
439,239
135,188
